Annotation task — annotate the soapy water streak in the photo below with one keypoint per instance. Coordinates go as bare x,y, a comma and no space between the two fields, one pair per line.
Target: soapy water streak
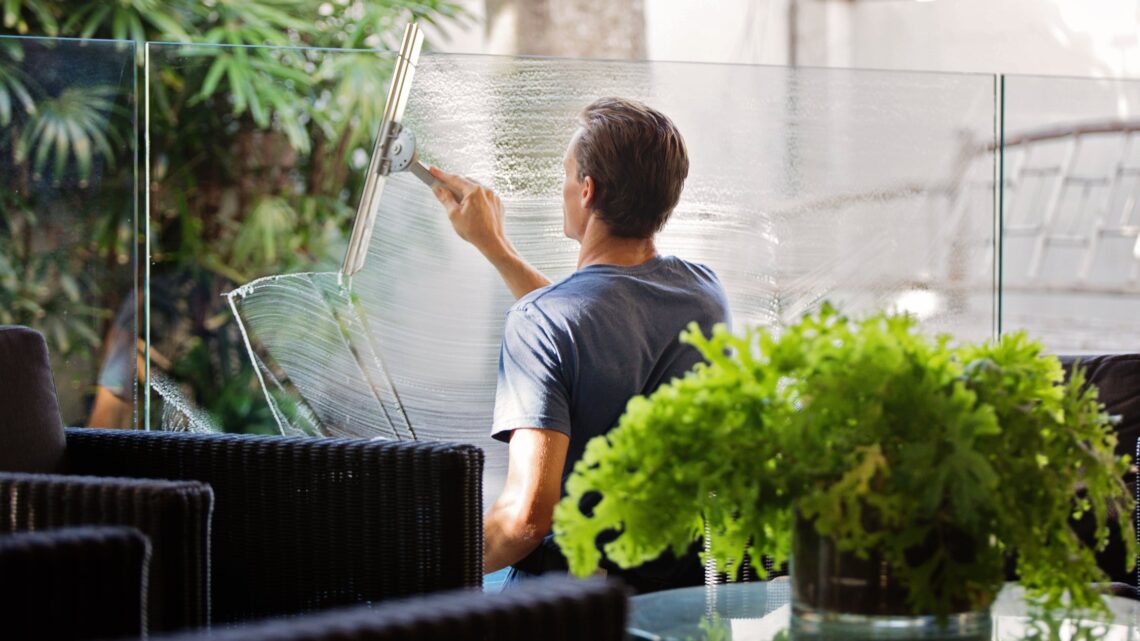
409,348
178,413
351,375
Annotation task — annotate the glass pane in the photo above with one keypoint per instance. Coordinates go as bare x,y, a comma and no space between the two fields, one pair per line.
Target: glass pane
1070,223
868,189
256,157
67,216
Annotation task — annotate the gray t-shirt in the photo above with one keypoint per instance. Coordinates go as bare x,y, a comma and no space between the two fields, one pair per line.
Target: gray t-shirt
575,352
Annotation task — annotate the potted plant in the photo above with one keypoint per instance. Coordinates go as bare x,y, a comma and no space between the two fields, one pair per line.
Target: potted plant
908,467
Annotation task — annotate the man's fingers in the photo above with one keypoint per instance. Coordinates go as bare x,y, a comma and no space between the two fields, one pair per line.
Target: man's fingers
444,196
457,183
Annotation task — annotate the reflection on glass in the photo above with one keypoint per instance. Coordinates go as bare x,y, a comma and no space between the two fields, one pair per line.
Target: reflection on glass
67,216
760,611
868,189
254,162
1071,225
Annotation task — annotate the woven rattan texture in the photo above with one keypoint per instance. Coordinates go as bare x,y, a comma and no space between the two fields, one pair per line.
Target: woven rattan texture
73,583
557,609
303,524
174,516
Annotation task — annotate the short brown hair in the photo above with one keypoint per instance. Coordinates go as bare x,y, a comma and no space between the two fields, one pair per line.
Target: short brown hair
638,162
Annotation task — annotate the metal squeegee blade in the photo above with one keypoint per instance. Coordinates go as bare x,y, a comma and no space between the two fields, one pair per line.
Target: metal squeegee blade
377,175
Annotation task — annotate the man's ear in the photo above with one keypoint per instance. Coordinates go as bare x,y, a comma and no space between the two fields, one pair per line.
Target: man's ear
588,191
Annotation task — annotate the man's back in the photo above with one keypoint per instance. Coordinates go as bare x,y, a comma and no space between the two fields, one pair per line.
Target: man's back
594,340
575,352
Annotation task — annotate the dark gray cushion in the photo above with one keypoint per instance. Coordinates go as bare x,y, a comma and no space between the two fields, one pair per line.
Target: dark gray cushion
1117,376
31,430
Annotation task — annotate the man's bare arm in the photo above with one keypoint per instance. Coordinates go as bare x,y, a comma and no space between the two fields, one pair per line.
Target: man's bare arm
520,276
478,219
523,513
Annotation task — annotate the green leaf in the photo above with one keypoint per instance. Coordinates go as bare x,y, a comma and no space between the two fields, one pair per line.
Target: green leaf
69,286
119,24
91,17
11,12
238,87
137,30
5,107
217,69
43,12
169,28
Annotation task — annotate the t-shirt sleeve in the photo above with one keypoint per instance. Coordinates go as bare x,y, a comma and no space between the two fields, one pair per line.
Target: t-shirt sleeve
531,390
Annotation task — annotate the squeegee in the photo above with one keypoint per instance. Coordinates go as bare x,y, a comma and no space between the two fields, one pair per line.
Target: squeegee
395,150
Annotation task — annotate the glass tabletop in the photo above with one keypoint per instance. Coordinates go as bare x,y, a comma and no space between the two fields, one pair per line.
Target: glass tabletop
760,611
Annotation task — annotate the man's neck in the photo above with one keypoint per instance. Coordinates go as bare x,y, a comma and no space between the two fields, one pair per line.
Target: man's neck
600,248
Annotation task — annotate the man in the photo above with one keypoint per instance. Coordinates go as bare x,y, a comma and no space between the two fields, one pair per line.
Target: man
576,351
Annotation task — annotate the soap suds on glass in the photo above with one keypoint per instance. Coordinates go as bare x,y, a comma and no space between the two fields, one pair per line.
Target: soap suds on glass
805,185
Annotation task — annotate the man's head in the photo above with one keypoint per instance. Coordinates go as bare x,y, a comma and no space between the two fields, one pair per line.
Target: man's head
626,164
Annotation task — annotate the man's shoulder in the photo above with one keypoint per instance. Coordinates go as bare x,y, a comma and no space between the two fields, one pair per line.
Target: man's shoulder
547,309
554,294
596,282
699,270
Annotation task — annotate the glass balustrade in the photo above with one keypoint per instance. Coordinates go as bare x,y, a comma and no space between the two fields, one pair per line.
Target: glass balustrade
68,195
1070,268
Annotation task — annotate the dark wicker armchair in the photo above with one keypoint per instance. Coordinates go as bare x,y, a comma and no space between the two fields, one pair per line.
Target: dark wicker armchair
550,609
174,515
73,583
243,527
301,524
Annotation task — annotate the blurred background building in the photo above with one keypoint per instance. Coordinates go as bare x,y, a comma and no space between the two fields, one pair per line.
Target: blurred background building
1084,38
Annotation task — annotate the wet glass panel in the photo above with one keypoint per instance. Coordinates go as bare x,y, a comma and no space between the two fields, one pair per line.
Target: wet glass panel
867,189
1071,226
68,176
255,161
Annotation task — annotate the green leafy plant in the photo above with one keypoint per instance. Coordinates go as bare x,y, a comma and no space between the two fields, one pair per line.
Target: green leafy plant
880,438
252,173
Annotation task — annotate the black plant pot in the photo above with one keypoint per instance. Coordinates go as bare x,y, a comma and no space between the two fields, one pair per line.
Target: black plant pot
837,595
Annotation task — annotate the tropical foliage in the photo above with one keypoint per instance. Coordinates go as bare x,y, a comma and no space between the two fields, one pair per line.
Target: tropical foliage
65,206
881,439
255,167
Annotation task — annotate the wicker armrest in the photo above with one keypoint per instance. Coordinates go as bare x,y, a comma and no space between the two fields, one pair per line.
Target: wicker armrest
308,523
73,583
551,609
174,516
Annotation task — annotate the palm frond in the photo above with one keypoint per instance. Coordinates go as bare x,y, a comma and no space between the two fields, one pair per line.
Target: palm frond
72,126
16,14
14,89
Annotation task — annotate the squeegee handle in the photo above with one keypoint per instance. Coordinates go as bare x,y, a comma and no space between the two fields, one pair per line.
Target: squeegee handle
421,171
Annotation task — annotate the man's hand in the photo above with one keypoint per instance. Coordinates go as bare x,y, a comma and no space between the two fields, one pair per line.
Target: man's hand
478,219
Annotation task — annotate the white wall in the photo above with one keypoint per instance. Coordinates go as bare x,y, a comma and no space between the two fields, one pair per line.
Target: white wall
740,31
734,31
1052,37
